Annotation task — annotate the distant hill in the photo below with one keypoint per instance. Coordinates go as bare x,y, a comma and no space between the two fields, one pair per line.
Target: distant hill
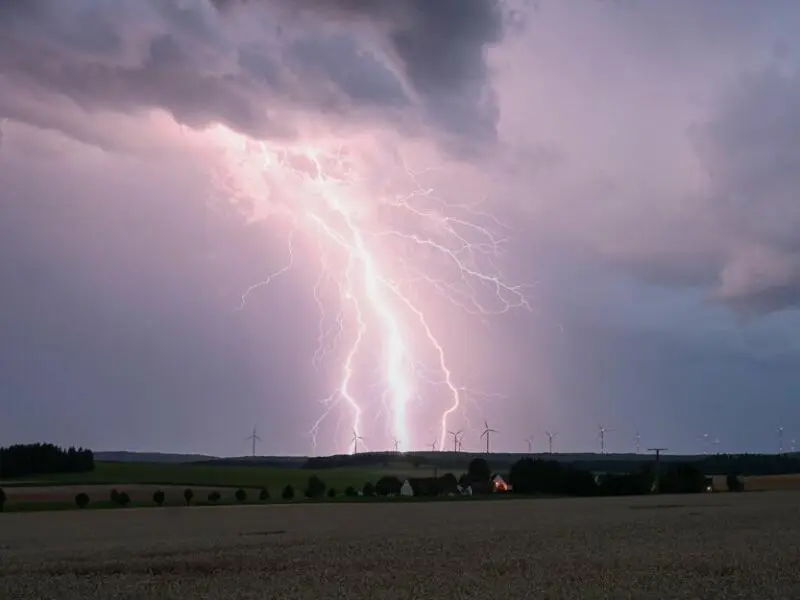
285,462
150,457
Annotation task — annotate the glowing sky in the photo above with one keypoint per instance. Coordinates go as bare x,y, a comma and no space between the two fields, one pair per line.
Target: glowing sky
637,161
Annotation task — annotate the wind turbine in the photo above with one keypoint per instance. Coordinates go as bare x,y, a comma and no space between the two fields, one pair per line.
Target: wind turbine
254,437
638,443
396,444
603,430
706,445
456,435
356,438
529,441
487,433
551,435
433,446
780,439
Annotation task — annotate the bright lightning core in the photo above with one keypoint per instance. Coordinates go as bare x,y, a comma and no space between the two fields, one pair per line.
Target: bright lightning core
378,272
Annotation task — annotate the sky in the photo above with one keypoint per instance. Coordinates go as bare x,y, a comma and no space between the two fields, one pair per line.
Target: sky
573,214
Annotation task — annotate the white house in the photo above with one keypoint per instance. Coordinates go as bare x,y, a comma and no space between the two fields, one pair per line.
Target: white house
406,489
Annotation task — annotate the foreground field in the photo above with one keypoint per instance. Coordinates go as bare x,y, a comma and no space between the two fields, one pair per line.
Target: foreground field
704,546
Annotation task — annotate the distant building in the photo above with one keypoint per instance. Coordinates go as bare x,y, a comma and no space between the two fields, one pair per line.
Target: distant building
500,484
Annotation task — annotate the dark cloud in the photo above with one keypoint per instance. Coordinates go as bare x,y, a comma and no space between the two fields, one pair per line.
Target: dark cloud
257,75
441,44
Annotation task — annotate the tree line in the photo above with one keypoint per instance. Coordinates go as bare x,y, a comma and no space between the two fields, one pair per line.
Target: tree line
24,460
716,464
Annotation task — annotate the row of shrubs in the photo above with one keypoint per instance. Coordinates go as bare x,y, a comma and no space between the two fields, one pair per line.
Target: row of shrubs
316,488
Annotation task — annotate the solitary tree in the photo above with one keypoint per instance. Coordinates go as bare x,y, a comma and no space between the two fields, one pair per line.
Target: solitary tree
332,493
315,487
263,495
158,497
214,497
2,499
288,493
114,496
350,491
82,500
123,499
241,495
188,494
369,489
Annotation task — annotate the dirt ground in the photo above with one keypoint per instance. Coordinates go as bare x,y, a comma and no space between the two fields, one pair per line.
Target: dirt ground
705,546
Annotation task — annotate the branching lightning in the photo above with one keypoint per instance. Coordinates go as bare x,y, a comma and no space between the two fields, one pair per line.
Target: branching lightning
377,271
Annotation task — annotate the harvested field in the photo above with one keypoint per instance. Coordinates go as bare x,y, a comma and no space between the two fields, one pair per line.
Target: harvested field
704,546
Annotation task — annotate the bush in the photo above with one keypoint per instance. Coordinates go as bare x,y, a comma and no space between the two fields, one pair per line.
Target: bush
263,495
288,493
734,483
315,487
682,478
478,470
2,499
188,494
214,497
123,499
369,489
114,496
389,485
332,493
158,497
350,491
241,495
448,484
82,500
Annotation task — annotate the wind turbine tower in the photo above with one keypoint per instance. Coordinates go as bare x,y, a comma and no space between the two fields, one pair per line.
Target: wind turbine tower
456,435
529,441
551,435
396,445
780,439
254,438
356,438
638,443
603,430
487,433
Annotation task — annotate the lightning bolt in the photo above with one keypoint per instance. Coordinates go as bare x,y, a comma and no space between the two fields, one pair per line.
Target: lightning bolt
321,193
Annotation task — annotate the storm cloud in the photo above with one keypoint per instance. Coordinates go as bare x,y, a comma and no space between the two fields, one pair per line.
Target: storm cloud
640,157
259,67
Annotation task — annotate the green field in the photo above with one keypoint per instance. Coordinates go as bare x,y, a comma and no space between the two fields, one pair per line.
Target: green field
274,479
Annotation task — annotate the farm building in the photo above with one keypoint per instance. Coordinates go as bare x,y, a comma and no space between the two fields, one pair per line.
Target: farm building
500,484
